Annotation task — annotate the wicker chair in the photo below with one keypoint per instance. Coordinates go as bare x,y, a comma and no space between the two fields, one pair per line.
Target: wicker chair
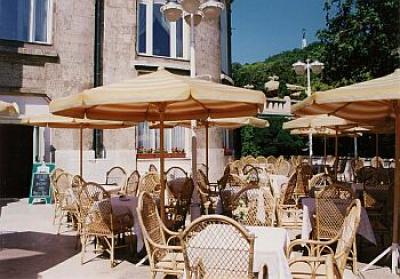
100,222
150,182
236,167
57,203
254,206
289,214
282,167
356,165
319,182
217,247
271,160
208,196
180,188
163,255
321,254
253,174
65,196
132,184
251,161
261,161
304,174
117,176
232,185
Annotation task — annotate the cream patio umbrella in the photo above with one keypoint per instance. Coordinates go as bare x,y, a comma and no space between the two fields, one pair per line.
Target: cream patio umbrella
373,102
161,96
55,121
8,109
320,121
227,123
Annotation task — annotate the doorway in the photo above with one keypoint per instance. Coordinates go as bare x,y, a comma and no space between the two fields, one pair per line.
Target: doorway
16,147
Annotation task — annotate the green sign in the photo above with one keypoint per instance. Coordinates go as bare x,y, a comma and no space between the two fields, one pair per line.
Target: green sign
40,190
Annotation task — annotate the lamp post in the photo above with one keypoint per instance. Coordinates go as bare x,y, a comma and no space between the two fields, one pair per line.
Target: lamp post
302,68
193,11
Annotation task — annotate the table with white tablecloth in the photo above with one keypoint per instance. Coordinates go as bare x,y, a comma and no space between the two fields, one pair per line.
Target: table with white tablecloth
129,205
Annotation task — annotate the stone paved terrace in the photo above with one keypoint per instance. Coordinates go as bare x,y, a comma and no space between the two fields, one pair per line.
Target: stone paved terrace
31,248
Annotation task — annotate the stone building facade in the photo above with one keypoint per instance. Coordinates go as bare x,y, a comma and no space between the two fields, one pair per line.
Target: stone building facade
56,56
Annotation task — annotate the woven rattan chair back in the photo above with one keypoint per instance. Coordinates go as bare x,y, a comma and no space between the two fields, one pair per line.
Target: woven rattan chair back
336,191
202,181
98,219
330,214
91,193
153,168
254,206
261,161
77,183
219,247
150,182
347,234
271,160
320,181
63,182
236,167
253,174
282,167
132,183
251,161
116,175
288,195
366,173
54,174
304,174
150,221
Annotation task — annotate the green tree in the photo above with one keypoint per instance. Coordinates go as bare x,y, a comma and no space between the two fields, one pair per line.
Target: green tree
282,89
361,40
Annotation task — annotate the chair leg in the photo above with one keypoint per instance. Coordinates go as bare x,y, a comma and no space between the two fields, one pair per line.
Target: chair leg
83,248
60,221
354,253
112,250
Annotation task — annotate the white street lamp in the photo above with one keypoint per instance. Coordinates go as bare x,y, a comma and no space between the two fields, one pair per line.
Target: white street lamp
300,68
172,11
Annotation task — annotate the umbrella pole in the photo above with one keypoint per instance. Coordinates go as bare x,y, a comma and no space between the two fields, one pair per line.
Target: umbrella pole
206,125
310,139
81,151
162,167
136,146
395,245
325,150
376,145
355,147
336,152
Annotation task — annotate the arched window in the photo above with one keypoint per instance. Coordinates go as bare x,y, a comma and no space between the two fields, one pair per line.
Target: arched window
158,37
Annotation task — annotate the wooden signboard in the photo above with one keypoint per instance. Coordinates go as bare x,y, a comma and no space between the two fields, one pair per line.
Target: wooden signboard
40,190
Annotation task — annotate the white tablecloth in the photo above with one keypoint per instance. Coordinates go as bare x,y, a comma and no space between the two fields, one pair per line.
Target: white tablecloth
277,181
129,206
269,249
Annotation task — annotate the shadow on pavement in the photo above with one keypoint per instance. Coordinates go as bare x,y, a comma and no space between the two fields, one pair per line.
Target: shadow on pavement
26,254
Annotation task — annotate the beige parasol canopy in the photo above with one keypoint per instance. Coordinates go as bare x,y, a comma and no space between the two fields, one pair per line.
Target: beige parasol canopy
55,121
370,102
161,96
145,97
8,109
319,121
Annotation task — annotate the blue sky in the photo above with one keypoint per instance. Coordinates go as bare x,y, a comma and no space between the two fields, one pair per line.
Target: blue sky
262,28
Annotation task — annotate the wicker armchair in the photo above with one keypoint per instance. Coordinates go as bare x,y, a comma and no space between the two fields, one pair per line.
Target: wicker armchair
66,200
180,189
254,206
304,174
132,184
150,182
232,184
319,182
117,176
162,245
253,174
100,222
57,203
217,247
289,214
271,160
321,256
236,167
208,196
251,161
